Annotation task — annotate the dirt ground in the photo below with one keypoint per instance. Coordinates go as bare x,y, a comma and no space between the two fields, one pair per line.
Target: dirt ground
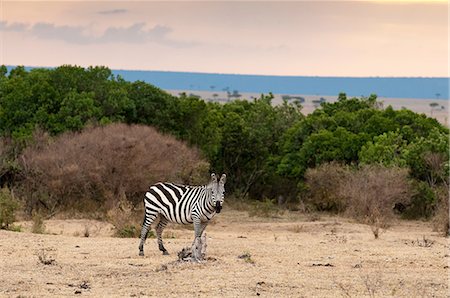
289,256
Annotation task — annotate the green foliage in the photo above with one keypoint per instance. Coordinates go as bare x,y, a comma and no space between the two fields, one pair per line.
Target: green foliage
131,231
69,97
265,149
250,136
265,208
423,201
437,142
357,130
8,208
76,109
385,149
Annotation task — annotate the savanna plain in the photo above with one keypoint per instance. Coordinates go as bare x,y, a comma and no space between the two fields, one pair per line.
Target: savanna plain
292,254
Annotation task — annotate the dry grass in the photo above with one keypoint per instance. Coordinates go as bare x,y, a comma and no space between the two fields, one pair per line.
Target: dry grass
442,216
366,194
357,267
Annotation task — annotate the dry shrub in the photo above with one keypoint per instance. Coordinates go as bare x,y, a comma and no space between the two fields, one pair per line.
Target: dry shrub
94,168
38,226
125,220
371,192
323,187
441,218
265,209
366,194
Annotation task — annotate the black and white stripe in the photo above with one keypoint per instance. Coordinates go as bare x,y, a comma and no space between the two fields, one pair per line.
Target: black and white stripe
182,204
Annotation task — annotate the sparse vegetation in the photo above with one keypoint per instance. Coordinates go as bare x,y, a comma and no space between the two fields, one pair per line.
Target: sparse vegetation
87,232
111,265
8,207
372,191
367,193
45,258
441,219
323,187
247,257
125,220
265,208
131,231
38,226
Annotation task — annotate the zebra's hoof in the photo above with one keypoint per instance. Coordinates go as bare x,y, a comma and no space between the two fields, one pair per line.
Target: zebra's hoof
166,253
141,253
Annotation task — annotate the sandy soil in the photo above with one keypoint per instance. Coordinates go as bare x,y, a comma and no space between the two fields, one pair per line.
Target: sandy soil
421,106
286,257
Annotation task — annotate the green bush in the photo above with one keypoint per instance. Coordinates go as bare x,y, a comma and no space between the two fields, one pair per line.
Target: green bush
8,208
423,201
128,231
265,208
131,231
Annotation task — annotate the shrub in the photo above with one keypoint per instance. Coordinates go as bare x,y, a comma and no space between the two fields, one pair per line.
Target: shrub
441,218
372,191
9,168
265,208
94,168
38,226
323,187
121,216
423,201
8,208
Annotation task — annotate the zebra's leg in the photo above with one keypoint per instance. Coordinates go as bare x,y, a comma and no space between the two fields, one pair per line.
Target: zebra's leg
148,219
159,229
197,245
202,227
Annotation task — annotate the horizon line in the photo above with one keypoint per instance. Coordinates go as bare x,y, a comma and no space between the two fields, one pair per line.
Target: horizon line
235,74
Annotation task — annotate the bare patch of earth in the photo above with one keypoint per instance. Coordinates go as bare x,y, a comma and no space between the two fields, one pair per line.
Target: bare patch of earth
283,257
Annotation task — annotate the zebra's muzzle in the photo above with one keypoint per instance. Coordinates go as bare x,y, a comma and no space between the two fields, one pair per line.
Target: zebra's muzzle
218,207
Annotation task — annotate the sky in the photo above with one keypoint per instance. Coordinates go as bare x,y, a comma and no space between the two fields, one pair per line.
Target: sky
298,38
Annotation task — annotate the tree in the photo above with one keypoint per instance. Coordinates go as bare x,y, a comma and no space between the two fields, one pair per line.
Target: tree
426,155
76,110
385,149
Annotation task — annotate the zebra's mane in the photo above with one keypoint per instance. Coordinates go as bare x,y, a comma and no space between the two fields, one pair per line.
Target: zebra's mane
189,186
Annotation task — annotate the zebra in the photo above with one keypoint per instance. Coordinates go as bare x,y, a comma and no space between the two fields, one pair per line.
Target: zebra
182,204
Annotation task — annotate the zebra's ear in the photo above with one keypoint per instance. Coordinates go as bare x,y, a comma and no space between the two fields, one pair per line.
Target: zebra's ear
223,179
213,178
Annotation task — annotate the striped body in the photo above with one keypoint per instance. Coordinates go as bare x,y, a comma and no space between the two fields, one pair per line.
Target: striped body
178,203
182,204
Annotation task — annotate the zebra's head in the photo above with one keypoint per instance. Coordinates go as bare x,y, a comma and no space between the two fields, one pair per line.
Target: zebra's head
218,191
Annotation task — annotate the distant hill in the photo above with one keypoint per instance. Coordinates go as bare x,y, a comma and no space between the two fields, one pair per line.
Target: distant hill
429,88
417,87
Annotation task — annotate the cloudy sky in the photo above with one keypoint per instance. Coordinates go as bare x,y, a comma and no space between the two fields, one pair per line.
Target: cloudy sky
316,38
